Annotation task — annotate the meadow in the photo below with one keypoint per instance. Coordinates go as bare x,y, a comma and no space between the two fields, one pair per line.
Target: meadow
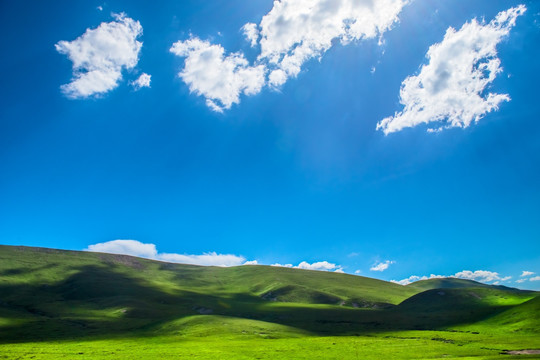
58,304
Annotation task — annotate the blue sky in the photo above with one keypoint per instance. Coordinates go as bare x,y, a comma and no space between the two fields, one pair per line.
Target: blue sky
278,152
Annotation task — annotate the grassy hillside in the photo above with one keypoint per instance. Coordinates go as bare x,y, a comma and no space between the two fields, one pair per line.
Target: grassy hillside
47,296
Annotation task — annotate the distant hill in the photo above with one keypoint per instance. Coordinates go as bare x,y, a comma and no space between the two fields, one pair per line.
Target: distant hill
452,283
48,294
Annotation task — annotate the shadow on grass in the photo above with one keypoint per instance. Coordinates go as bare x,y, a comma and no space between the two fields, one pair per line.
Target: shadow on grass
99,302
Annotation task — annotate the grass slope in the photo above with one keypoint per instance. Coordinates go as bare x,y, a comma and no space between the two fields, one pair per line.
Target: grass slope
53,299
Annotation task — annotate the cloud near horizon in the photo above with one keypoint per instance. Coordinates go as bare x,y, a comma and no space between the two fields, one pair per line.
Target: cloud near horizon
293,32
99,56
381,266
319,266
478,275
450,89
149,251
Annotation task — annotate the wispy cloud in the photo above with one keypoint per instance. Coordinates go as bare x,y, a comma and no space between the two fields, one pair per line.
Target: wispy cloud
382,265
100,55
137,248
449,91
536,278
526,273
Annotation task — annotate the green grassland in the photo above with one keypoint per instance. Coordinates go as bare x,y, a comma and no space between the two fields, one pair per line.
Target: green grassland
68,304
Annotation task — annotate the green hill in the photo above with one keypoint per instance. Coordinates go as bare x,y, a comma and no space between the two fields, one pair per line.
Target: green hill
452,283
49,295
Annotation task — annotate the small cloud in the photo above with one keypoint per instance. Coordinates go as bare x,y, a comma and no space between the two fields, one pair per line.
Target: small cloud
251,32
253,262
521,281
320,266
382,265
142,81
536,278
149,251
353,254
526,273
100,8
358,272
339,271
99,56
506,278
478,275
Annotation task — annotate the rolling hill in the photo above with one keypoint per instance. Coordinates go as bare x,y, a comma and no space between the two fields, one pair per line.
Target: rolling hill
57,295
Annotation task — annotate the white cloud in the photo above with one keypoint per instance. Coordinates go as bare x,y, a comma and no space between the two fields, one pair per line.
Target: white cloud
536,278
521,281
478,275
340,271
142,81
251,32
207,259
282,265
382,265
295,31
137,248
125,247
450,90
100,55
526,273
253,262
358,272
220,78
414,278
320,266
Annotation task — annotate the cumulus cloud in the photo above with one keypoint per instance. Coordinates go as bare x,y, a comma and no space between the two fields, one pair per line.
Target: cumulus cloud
251,32
100,55
450,90
220,78
526,273
382,265
282,265
414,278
253,262
478,275
125,247
521,281
358,272
142,81
293,32
319,265
536,278
137,248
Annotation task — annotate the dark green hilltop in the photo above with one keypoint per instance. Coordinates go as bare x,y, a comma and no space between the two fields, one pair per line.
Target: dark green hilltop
49,295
